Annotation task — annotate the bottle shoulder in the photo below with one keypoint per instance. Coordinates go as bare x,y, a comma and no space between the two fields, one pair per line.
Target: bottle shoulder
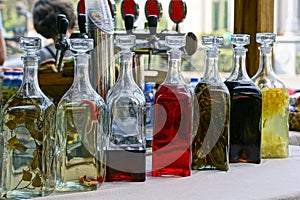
21,106
127,97
215,87
75,94
166,91
268,81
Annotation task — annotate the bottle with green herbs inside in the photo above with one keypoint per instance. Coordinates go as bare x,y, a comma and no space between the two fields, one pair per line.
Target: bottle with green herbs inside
28,123
126,141
245,108
210,146
80,125
275,102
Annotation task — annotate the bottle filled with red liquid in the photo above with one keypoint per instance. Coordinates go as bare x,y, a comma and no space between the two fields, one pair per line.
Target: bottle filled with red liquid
246,108
172,131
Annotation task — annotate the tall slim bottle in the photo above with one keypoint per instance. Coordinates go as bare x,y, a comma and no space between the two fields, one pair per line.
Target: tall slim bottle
126,142
275,102
246,108
171,146
210,144
28,123
80,123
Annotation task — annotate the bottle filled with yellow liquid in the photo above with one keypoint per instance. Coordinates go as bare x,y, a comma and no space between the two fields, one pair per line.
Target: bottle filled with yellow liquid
275,102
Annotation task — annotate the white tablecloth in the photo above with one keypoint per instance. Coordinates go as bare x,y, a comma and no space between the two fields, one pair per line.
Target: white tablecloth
272,179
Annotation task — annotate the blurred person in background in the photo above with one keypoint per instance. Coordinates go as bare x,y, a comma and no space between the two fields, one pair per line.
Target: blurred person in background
44,14
2,42
2,48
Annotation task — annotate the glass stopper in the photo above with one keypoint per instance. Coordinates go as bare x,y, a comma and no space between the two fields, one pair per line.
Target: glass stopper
240,40
125,42
30,45
212,42
81,45
266,39
175,42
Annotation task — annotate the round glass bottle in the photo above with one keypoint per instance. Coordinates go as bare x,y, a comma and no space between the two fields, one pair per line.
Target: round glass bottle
172,131
275,102
80,125
126,142
210,145
245,110
28,122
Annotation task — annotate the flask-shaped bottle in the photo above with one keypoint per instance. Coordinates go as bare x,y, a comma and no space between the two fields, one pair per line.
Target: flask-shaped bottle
171,146
80,123
246,107
275,102
126,143
210,145
28,123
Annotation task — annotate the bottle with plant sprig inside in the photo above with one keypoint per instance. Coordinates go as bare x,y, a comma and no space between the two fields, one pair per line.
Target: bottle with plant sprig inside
210,146
275,102
28,123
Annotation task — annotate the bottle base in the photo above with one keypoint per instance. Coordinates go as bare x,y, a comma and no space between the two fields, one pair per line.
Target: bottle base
75,187
171,172
125,165
24,194
210,167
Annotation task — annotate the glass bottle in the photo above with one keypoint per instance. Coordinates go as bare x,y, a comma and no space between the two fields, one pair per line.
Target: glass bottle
172,132
126,142
80,122
6,86
16,81
210,146
275,102
28,130
246,106
149,97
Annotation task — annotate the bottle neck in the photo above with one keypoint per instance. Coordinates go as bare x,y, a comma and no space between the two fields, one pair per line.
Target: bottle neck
239,72
211,71
81,73
125,77
174,71
30,85
265,61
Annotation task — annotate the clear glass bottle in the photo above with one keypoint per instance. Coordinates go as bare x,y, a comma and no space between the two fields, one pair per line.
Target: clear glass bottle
126,142
28,130
172,131
210,147
16,81
80,122
149,96
275,102
6,86
246,108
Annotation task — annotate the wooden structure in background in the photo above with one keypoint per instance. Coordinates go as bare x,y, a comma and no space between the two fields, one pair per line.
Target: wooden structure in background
251,17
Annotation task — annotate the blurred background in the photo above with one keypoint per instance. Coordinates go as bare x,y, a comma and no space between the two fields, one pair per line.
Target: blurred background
204,17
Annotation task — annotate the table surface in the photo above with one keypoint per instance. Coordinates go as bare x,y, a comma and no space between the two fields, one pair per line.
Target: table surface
272,179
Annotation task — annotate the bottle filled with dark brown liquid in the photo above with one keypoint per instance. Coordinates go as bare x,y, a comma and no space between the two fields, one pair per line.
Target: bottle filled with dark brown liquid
246,108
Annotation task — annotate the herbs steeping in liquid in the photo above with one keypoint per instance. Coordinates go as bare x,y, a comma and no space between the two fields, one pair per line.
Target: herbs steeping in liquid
210,144
28,134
